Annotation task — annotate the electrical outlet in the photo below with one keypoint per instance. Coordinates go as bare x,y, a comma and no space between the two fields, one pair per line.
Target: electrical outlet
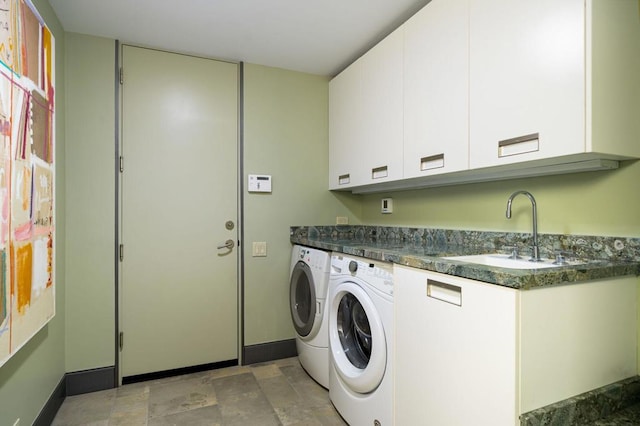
387,206
342,220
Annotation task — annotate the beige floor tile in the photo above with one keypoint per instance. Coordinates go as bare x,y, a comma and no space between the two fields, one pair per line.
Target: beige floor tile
278,393
205,416
229,371
287,361
328,416
180,395
266,371
134,417
86,409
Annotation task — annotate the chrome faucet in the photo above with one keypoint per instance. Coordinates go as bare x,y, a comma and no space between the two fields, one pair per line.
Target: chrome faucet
535,254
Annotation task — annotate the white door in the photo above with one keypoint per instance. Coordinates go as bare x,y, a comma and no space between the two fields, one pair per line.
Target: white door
179,295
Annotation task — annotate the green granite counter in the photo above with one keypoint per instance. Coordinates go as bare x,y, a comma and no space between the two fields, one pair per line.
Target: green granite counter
424,248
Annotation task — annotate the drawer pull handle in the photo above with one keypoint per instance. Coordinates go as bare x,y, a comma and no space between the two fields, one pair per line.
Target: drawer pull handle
444,292
344,179
519,145
379,172
432,162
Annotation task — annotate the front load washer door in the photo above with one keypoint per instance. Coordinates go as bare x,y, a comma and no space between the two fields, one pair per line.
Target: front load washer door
302,300
356,338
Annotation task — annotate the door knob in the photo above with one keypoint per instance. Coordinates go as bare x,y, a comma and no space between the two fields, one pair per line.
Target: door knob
227,244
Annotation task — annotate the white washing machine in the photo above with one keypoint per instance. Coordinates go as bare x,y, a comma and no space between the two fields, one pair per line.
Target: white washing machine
308,289
360,305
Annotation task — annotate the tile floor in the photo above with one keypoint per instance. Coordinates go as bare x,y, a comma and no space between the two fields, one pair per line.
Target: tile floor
275,393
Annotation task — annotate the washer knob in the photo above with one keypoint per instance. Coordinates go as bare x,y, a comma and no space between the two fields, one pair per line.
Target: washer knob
353,266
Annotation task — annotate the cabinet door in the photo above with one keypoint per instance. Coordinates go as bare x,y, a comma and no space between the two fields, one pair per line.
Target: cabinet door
455,350
436,89
344,122
527,80
365,118
380,148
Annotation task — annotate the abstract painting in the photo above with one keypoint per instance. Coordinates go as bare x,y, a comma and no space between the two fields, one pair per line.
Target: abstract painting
27,175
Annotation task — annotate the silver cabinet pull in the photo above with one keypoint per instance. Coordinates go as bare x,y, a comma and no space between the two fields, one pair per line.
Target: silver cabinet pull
519,145
229,244
444,292
432,162
380,172
344,179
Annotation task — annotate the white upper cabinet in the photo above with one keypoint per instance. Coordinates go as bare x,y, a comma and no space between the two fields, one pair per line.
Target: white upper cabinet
436,89
477,90
365,118
534,70
527,80
344,127
382,110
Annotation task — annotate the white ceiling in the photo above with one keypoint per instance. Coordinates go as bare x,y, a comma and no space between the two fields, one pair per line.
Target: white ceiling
319,37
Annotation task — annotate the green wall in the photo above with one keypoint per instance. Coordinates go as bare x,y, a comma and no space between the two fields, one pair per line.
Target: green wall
30,376
285,127
591,203
285,136
594,203
90,321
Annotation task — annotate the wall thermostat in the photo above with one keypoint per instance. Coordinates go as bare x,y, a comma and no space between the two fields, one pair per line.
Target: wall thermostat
259,183
387,205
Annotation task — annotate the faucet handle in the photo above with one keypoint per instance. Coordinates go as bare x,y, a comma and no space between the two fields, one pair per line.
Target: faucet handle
562,257
513,252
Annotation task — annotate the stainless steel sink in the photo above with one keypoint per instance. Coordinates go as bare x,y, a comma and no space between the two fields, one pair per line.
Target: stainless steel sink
505,261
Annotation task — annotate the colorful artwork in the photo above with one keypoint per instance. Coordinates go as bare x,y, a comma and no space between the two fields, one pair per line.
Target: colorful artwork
8,27
27,289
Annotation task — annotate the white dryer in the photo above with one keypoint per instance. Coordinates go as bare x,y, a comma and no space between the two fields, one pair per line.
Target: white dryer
360,305
309,283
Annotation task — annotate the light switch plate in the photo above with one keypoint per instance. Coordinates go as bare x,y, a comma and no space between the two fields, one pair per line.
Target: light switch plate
259,249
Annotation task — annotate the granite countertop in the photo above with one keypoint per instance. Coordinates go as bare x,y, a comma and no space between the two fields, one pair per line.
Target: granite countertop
428,251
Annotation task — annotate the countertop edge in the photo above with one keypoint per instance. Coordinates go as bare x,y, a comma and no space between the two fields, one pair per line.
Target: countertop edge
520,279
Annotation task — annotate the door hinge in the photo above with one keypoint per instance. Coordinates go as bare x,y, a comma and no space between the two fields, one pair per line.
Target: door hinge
121,164
121,340
121,76
121,249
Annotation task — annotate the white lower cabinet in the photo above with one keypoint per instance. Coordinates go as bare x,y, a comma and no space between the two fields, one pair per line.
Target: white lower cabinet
455,350
469,352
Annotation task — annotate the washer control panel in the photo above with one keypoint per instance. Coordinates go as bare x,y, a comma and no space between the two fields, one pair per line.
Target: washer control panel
376,273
